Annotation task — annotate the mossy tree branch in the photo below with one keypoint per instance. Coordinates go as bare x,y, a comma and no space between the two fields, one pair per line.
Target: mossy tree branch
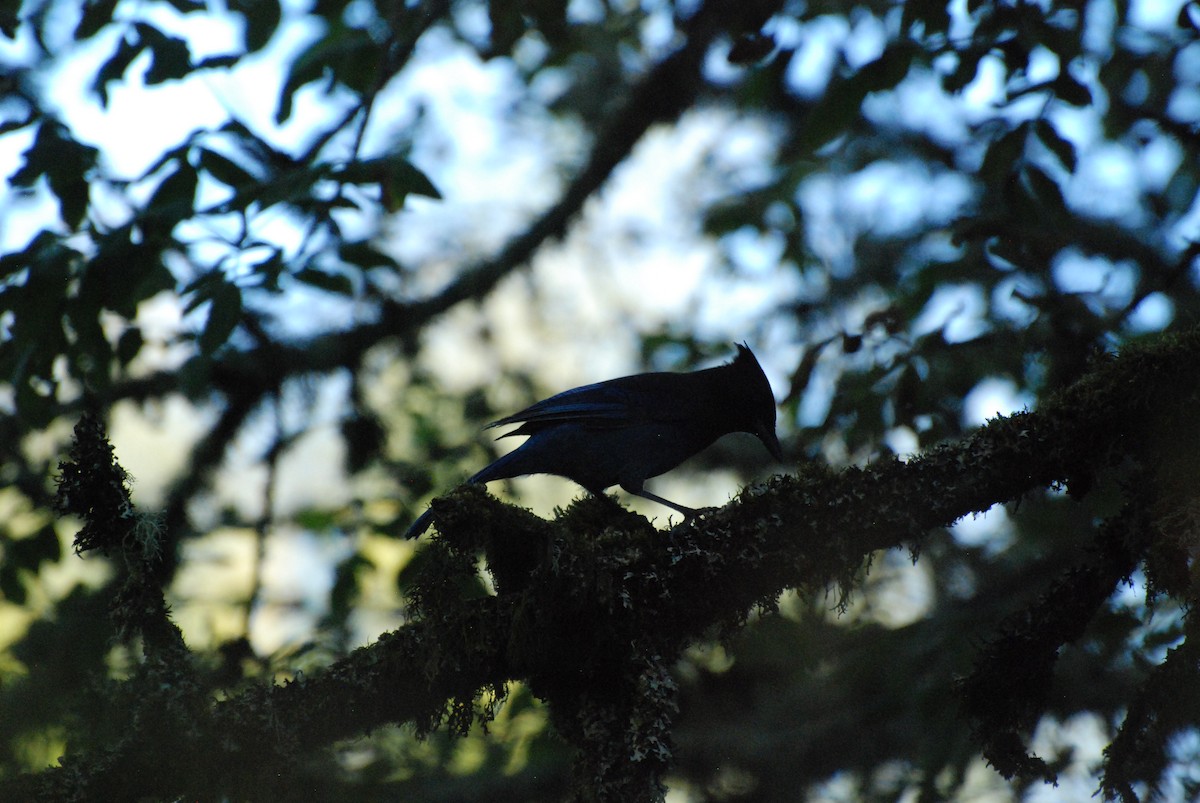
591,609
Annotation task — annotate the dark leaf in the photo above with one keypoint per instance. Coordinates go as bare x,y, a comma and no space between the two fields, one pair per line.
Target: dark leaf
364,254
129,344
31,551
201,289
123,273
95,16
269,270
173,198
1004,156
171,58
843,100
12,586
309,66
262,19
964,72
65,163
365,437
329,282
346,56
508,24
1044,190
224,169
1062,149
89,351
751,48
346,586
1189,16
16,124
224,315
73,199
114,69
402,179
9,21
18,261
926,16
217,62
1071,91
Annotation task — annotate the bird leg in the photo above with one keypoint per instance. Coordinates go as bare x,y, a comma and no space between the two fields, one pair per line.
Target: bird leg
688,513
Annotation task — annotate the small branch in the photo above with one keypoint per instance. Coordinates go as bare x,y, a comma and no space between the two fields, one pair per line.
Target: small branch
92,486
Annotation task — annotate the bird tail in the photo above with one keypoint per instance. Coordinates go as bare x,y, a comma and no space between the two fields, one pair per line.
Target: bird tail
501,468
418,527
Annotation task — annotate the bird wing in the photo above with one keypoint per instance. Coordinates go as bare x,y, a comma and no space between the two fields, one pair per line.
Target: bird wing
605,405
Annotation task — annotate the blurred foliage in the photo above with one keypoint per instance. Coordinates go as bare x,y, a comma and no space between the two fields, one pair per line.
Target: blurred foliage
952,193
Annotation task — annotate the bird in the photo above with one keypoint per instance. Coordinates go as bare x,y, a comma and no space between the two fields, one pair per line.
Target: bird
627,430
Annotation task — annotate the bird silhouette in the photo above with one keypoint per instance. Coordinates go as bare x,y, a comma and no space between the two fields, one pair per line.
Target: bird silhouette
625,431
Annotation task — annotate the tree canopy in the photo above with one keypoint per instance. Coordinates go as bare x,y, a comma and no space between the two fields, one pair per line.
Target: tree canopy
266,270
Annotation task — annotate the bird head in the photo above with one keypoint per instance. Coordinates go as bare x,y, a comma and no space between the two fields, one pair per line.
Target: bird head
755,403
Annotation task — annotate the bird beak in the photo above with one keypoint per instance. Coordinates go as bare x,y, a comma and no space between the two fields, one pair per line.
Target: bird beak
771,441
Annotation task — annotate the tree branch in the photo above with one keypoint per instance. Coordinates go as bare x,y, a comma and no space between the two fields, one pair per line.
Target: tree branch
597,596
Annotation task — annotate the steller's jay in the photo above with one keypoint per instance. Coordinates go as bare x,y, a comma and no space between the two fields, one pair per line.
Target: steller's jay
625,431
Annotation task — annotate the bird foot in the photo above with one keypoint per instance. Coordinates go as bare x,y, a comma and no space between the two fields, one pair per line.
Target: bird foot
692,515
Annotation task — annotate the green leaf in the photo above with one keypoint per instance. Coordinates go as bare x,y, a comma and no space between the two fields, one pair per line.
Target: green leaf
31,551
114,69
307,67
195,377
262,19
201,289
347,56
269,270
89,351
95,16
12,586
43,246
346,585
1044,190
224,315
171,58
36,336
329,282
129,344
396,177
66,165
224,169
932,16
217,62
1062,149
1004,155
123,273
964,72
1071,91
365,437
174,197
9,21
254,147
843,100
1189,16
363,254
404,179
17,123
